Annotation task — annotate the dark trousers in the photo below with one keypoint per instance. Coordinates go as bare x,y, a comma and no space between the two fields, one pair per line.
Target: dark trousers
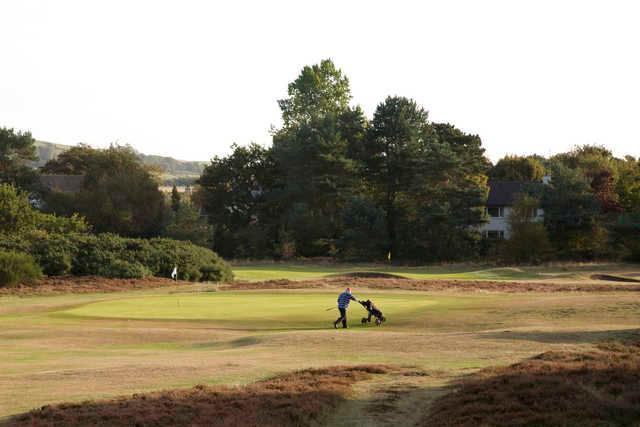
343,317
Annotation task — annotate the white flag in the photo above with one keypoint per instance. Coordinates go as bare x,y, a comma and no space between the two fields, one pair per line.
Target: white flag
174,273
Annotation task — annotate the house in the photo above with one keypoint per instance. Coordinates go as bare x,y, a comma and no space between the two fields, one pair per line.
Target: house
502,195
62,183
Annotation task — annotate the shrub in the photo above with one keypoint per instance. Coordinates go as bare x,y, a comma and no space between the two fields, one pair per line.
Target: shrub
163,254
54,252
95,252
529,242
17,267
16,214
211,273
110,255
61,224
125,270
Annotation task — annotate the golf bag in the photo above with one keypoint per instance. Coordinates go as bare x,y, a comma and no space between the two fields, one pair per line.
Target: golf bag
373,312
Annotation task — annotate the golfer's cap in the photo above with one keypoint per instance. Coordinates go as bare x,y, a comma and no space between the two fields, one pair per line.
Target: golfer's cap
349,290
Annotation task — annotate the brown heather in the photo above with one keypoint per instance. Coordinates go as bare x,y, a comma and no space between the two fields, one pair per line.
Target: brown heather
300,398
595,388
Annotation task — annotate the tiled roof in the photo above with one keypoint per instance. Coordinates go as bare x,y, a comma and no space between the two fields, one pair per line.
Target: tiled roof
502,193
63,183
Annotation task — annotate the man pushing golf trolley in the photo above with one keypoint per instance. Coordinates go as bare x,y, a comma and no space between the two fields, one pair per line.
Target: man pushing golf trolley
343,303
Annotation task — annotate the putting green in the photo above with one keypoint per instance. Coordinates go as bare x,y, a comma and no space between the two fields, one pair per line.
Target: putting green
259,310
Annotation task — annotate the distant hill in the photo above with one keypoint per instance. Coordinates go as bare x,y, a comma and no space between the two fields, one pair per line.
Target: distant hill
180,172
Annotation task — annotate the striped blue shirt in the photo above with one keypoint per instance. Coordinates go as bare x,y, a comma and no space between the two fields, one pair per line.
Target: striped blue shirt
344,299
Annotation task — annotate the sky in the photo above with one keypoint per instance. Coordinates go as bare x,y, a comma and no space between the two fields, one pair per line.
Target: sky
188,78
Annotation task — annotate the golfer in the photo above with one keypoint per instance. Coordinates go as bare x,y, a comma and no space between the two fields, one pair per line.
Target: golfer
343,303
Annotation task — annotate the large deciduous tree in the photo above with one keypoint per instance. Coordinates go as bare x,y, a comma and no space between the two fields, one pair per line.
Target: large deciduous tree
119,194
234,193
517,168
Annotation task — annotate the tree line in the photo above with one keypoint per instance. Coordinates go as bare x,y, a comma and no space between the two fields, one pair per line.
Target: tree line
335,183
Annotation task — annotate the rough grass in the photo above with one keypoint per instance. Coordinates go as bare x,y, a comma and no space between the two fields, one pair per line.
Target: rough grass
435,285
50,356
86,284
594,388
300,398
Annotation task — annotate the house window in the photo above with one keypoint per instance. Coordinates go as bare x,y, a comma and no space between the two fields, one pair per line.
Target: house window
495,235
496,211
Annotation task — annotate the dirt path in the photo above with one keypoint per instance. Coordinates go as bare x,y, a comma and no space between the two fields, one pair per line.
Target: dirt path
398,398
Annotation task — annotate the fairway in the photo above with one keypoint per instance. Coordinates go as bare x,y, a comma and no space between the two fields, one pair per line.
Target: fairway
259,310
309,271
63,348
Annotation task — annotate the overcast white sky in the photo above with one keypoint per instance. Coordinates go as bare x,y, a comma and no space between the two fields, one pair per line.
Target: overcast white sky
188,78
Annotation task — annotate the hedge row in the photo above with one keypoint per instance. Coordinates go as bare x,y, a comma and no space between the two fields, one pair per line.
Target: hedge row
110,255
17,268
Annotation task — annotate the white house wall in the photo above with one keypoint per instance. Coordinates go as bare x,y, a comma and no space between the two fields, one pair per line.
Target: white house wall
502,223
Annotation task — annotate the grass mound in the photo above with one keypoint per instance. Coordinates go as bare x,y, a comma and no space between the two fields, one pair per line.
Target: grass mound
594,388
297,399
368,275
613,278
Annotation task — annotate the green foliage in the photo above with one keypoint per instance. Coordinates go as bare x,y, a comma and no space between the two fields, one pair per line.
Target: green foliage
113,256
61,246
175,199
317,174
213,273
314,153
118,268
626,232
234,193
120,195
589,159
517,168
528,241
429,179
54,252
627,186
364,235
309,230
16,150
185,223
16,214
318,90
572,214
178,172
17,268
61,224
394,155
110,255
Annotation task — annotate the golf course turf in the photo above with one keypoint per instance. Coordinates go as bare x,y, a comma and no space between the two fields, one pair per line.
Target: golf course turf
100,346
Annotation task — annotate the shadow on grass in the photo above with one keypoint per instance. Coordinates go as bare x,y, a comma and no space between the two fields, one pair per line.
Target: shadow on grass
579,337
295,399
